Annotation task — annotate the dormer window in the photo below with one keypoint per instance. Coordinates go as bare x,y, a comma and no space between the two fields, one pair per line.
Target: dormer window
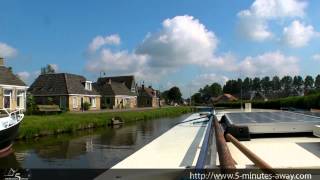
88,85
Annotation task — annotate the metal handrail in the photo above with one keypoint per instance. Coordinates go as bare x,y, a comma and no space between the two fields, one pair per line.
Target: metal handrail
207,147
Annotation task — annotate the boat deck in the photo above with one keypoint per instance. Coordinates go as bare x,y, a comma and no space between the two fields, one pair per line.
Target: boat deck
278,152
177,148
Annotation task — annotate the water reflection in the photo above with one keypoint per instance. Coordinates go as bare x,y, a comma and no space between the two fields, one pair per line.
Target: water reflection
99,148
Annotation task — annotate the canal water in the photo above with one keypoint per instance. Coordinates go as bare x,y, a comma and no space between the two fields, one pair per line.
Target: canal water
94,149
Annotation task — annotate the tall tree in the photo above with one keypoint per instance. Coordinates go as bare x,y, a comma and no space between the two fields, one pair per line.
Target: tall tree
308,82
256,84
298,83
276,83
174,95
196,98
266,84
48,69
215,89
286,83
246,85
317,82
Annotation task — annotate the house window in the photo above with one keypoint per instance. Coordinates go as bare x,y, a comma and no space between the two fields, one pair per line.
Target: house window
20,99
74,102
7,99
93,102
88,85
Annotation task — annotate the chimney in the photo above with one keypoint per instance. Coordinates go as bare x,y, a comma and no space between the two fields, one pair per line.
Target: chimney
1,61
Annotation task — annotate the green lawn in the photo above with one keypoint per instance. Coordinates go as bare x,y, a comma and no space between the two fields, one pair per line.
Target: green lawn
36,125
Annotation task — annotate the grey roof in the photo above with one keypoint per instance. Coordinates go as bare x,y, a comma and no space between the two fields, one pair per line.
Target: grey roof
115,88
8,78
60,83
127,80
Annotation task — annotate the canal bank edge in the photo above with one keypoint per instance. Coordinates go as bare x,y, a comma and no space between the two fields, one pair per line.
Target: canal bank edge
38,126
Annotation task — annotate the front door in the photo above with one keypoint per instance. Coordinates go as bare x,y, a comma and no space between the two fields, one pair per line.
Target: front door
82,104
63,102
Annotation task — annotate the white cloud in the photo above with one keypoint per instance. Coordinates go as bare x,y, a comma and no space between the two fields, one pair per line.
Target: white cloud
268,64
270,9
298,35
253,28
316,57
117,63
24,75
204,79
182,40
7,51
100,41
253,22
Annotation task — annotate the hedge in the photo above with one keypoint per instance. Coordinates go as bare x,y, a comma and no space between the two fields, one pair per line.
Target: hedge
301,102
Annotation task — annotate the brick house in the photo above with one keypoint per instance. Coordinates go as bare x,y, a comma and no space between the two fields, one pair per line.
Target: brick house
69,91
148,97
117,92
12,89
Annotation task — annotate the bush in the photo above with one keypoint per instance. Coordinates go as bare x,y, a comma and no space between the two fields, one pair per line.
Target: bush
301,102
86,106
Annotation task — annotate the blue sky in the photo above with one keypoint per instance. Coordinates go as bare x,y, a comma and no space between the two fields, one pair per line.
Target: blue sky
164,43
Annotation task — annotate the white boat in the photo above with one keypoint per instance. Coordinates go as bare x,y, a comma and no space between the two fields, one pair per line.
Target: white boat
9,126
194,144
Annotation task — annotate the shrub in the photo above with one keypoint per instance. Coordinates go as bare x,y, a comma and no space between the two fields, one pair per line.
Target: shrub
86,106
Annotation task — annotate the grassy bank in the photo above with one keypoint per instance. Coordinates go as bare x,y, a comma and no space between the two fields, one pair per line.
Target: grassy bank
302,102
35,126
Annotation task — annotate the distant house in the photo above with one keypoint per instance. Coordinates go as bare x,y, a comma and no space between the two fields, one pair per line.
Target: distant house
148,97
69,91
12,89
223,98
117,92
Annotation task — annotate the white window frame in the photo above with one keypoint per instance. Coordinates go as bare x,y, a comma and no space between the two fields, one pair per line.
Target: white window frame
93,102
88,85
6,95
74,102
22,96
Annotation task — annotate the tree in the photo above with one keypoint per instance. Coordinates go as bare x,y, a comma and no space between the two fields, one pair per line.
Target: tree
317,82
215,89
196,98
286,83
266,84
48,69
246,85
174,95
164,95
256,84
297,83
276,83
308,82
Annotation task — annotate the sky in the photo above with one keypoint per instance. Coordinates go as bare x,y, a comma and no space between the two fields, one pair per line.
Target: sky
187,43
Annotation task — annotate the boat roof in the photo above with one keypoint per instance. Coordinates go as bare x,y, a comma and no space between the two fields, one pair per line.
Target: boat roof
177,148
279,152
180,147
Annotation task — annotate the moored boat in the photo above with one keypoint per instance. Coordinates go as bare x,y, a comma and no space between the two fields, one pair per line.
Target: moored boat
9,126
